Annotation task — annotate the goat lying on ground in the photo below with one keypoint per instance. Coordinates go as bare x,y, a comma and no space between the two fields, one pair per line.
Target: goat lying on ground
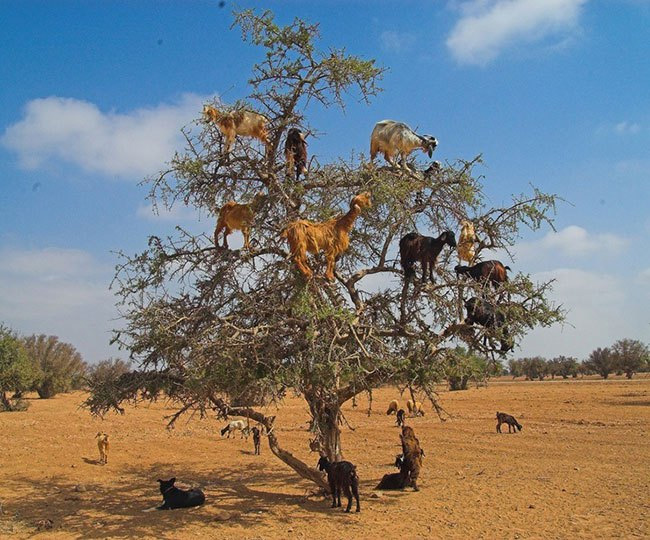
102,444
234,216
391,137
466,242
295,152
484,313
393,406
412,456
245,123
492,272
395,480
415,408
233,426
341,475
503,418
179,498
256,439
331,236
415,247
400,417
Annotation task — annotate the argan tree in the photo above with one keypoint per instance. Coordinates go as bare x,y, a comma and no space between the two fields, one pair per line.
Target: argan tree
234,330
630,356
59,365
601,361
16,370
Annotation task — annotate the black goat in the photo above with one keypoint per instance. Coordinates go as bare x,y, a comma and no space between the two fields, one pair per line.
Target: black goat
341,475
492,272
256,439
400,417
488,315
178,498
395,480
295,152
415,247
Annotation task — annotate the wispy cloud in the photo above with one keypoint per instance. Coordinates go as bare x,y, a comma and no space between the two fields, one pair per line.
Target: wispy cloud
76,132
626,128
572,241
486,27
396,42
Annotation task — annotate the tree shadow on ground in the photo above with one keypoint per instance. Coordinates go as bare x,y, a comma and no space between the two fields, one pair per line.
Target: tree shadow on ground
122,509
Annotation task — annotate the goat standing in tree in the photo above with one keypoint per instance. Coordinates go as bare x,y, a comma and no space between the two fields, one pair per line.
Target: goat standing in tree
235,216
331,236
415,247
245,123
295,152
391,137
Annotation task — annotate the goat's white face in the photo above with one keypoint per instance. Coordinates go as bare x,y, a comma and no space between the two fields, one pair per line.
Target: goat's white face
431,144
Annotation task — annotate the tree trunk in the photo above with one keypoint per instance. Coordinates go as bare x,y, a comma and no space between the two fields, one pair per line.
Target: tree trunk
5,401
325,423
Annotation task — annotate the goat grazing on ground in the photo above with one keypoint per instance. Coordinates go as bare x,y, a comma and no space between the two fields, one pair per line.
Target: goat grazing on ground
503,418
174,497
234,216
415,247
415,408
295,152
486,314
393,407
400,417
331,236
233,426
245,123
341,476
492,272
466,241
102,445
391,137
412,456
256,439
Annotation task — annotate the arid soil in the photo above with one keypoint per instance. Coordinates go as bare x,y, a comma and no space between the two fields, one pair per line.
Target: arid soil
579,469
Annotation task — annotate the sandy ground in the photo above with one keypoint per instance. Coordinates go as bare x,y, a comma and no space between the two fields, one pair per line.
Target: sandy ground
579,469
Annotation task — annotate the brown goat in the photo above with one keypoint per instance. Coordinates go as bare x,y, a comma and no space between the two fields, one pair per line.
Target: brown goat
412,456
246,123
236,217
331,236
415,247
492,272
295,152
102,445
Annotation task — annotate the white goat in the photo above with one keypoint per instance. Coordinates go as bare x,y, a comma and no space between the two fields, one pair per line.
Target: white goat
246,123
466,250
391,137
235,425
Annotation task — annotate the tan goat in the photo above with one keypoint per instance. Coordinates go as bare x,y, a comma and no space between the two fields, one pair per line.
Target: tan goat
466,241
237,217
331,236
245,123
102,444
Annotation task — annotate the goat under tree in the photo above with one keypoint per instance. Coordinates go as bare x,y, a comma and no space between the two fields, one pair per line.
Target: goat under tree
230,331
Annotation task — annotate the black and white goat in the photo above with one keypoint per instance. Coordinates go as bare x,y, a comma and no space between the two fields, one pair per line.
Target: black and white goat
391,138
295,152
342,476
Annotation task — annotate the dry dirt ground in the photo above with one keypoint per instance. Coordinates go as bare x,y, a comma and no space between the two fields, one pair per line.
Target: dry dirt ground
579,469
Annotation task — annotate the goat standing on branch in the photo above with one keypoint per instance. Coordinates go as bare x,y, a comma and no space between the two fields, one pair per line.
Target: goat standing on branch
415,247
331,236
466,241
234,216
488,315
245,123
295,152
391,137
487,271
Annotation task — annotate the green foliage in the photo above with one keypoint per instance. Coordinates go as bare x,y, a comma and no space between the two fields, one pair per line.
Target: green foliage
602,361
534,368
461,367
630,356
16,370
60,367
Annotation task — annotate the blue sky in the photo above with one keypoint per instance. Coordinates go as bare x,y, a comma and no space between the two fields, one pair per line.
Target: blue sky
552,92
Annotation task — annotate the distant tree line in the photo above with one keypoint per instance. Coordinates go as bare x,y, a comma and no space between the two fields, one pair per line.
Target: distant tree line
45,365
626,356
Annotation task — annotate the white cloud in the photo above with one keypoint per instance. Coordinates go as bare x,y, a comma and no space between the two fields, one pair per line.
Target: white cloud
393,41
61,292
487,27
77,132
626,128
602,308
177,213
572,241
